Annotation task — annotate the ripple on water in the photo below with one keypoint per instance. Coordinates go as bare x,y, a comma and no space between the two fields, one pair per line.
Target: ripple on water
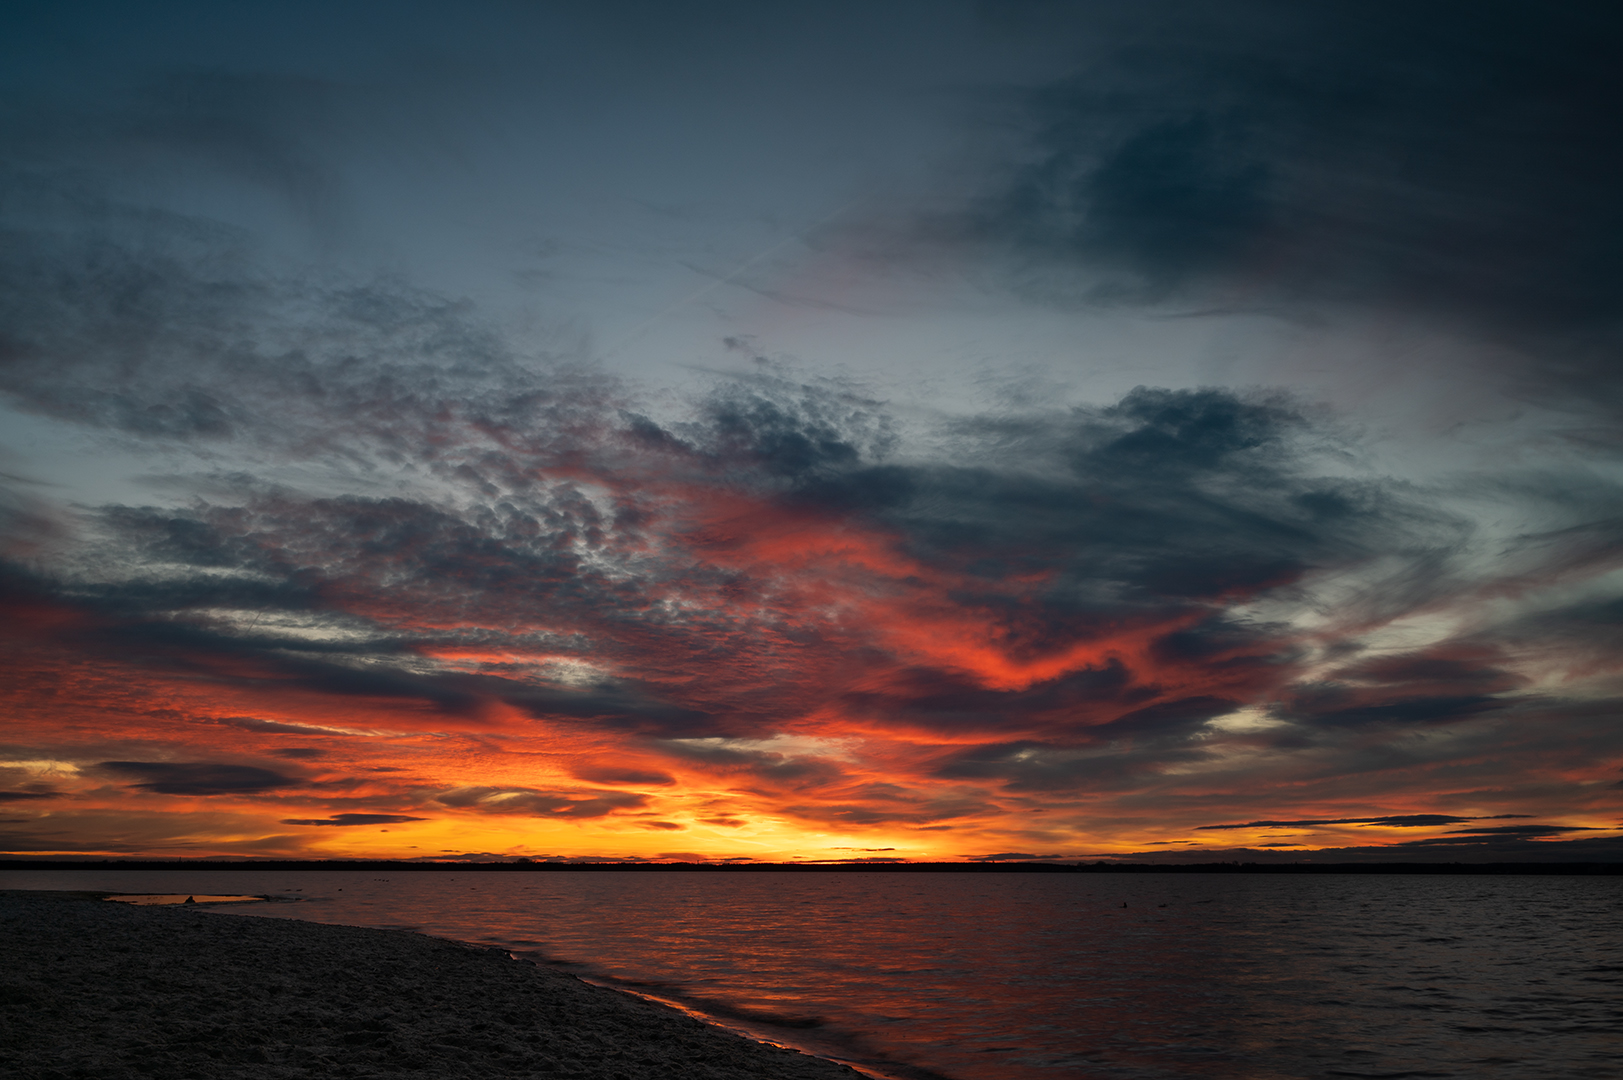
993,977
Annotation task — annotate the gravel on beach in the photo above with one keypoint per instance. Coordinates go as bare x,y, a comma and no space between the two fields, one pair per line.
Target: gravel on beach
91,989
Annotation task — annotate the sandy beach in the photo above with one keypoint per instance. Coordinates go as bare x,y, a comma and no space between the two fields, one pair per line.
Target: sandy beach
105,991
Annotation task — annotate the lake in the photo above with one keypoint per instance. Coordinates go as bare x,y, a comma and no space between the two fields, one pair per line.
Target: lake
1026,976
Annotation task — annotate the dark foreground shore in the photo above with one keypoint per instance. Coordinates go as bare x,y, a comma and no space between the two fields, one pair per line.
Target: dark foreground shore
90,989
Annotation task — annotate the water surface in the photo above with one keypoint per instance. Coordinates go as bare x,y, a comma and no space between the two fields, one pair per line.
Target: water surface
1046,977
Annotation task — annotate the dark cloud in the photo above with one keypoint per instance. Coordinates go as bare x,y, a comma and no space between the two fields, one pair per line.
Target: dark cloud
1454,154
1429,669
162,333
945,700
25,796
1413,710
1513,830
402,513
353,819
1463,849
792,431
1167,496
198,778
252,723
791,771
1167,720
1392,821
535,803
1151,512
1451,160
1135,742
1028,766
616,775
263,129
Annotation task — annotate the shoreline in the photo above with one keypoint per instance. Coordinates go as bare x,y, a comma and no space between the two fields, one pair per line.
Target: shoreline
121,992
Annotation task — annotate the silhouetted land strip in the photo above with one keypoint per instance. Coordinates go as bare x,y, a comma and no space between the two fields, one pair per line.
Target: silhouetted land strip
812,868
110,992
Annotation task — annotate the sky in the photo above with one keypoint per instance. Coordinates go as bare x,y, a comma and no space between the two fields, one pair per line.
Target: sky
932,430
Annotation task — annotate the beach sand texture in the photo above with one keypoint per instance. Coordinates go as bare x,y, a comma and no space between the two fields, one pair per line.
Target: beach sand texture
90,989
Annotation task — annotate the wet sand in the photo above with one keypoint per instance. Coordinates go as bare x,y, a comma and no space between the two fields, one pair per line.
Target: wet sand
106,991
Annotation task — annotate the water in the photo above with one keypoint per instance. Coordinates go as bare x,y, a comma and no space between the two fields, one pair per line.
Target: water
1047,977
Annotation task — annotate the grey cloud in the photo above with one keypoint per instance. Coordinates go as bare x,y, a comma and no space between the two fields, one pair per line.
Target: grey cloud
1029,766
354,819
1155,511
1453,160
537,803
1165,720
790,430
252,723
1152,508
949,700
1145,511
786,769
164,330
1391,820
1519,830
847,814
198,778
1453,153
1135,742
618,775
1165,496
1334,705
268,130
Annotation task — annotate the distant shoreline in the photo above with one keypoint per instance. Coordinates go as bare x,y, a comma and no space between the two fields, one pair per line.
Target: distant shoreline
521,866
123,993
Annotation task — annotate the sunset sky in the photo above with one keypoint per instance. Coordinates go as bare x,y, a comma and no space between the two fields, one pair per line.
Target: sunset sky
757,430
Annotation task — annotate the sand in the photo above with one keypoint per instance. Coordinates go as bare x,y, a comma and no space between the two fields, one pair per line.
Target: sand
91,989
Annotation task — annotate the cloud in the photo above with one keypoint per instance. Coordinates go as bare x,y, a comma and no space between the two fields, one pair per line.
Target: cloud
1453,154
1401,821
353,819
1449,162
1457,850
1076,566
255,724
384,518
616,775
25,796
583,803
1514,830
1067,600
198,778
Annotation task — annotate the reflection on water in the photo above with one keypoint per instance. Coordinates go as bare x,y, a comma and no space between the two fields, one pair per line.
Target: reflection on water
991,977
